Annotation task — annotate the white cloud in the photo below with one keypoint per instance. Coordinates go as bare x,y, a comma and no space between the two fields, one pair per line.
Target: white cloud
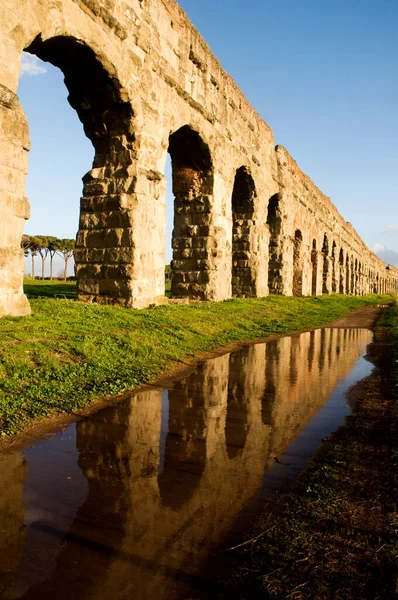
389,256
376,248
391,229
31,65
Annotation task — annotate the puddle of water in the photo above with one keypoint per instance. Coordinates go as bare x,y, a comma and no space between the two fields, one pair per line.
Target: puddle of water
131,501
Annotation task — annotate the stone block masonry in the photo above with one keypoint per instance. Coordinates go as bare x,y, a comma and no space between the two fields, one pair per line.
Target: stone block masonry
143,83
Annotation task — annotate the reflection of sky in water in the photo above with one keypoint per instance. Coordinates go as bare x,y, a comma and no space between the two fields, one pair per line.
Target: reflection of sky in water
54,489
120,502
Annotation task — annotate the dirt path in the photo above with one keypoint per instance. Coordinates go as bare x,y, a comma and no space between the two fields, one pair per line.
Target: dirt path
363,318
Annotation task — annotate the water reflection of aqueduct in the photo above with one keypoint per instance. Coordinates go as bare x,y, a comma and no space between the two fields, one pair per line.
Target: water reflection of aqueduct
143,82
154,508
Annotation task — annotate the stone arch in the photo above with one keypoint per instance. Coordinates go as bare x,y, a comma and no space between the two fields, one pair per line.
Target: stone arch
274,222
298,263
193,180
103,244
347,275
352,279
243,195
355,284
334,258
341,267
314,265
325,266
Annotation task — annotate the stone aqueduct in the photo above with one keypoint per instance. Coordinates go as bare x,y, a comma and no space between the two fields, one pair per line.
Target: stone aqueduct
247,220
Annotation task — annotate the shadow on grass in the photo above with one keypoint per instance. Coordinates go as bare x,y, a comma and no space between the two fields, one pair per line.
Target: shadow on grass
59,289
50,289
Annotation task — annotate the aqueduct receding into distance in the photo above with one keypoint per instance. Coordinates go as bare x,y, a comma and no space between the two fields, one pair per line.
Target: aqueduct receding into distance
143,82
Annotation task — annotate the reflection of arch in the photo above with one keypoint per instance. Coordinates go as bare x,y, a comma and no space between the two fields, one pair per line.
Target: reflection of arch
322,350
314,264
272,356
185,451
325,268
274,221
237,404
89,546
243,194
294,360
297,264
192,172
311,351
125,541
107,117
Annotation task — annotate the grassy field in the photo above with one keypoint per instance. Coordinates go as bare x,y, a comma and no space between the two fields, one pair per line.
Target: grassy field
67,354
334,534
35,288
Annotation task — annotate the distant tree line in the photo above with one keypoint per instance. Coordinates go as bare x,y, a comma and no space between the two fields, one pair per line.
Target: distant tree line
47,246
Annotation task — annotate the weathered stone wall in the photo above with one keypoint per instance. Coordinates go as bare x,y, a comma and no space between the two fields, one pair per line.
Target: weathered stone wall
143,82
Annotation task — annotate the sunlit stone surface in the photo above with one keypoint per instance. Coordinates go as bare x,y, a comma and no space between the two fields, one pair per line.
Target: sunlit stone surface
143,83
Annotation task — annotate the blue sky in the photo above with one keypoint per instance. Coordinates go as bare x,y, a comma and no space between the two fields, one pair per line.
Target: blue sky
322,73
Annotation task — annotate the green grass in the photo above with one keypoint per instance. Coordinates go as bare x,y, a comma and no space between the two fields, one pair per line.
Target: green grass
334,534
35,288
67,354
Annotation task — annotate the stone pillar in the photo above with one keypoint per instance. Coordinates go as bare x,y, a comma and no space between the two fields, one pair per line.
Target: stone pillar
307,271
120,246
14,206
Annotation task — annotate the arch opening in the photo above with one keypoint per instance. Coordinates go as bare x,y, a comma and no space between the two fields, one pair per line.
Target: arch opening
103,243
341,275
356,278
275,266
314,265
192,180
243,195
325,266
334,279
347,275
298,264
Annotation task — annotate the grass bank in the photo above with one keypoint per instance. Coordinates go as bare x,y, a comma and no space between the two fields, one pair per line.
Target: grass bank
334,534
67,354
